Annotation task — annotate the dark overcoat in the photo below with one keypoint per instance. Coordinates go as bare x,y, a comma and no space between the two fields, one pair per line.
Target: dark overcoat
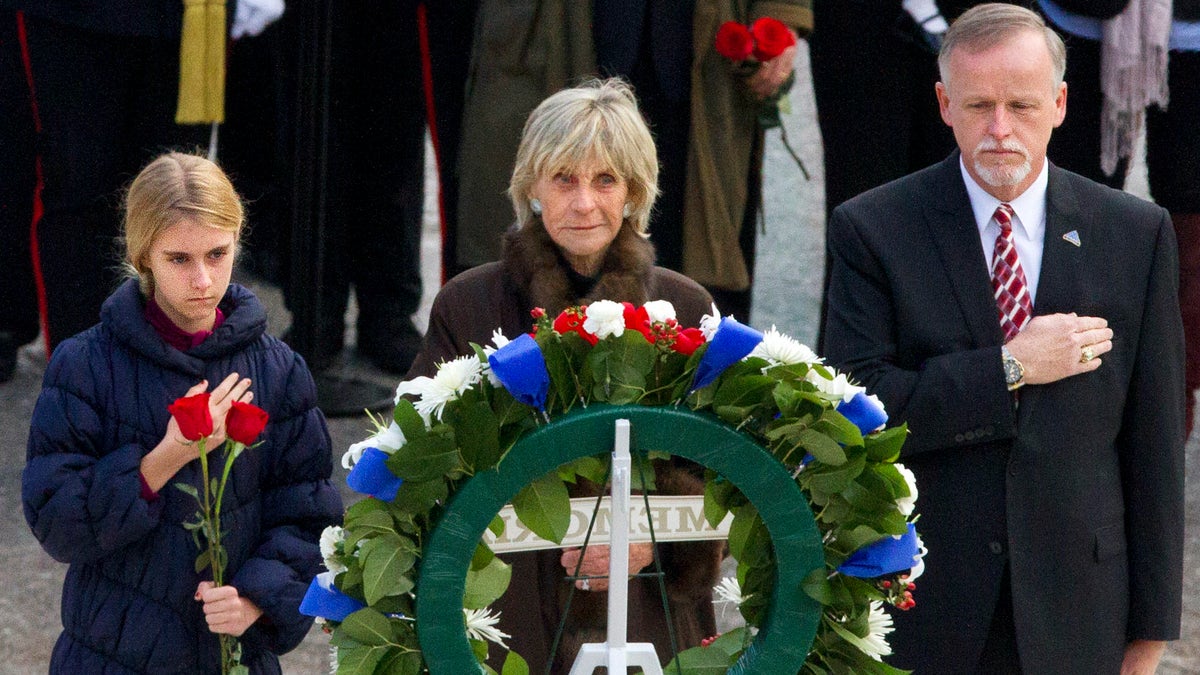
128,604
1079,488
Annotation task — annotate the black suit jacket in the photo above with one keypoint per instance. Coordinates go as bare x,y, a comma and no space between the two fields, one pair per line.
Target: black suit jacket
1079,489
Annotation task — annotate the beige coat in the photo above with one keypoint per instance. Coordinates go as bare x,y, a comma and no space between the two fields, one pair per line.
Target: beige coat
526,50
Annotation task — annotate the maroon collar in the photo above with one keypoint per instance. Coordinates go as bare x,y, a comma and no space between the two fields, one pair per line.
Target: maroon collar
174,335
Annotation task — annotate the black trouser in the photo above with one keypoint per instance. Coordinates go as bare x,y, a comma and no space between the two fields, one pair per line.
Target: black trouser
18,295
376,167
107,106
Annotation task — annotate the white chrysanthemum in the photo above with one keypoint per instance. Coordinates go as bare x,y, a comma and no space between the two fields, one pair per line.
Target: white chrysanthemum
839,386
909,503
710,322
659,311
389,439
333,661
782,349
481,625
729,590
330,538
452,379
604,318
498,341
875,644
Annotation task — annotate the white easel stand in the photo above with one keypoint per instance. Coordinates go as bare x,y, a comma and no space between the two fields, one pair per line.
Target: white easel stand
616,654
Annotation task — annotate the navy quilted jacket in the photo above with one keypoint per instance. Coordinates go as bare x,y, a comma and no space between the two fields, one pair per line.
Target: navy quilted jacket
127,604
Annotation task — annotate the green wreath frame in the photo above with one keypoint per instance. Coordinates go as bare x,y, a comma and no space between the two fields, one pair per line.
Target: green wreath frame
462,455
782,644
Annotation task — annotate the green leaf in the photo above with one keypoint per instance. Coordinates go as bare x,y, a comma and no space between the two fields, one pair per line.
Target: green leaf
822,447
398,662
386,562
885,445
746,391
189,489
367,524
496,527
593,468
423,459
749,540
834,478
514,665
816,586
477,431
367,627
545,507
203,560
486,585
840,429
409,420
359,659
717,493
482,557
416,498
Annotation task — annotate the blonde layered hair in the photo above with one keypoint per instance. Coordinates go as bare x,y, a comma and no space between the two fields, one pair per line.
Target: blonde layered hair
596,122
173,187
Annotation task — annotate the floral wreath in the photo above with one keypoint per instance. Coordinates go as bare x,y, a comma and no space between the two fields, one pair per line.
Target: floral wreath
825,430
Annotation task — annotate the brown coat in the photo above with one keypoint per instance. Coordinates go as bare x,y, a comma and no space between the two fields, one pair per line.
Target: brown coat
532,273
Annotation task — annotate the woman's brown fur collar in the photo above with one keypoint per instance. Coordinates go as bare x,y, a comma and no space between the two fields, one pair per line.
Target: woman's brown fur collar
534,263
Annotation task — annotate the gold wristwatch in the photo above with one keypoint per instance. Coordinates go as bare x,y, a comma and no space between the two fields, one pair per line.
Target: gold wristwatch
1014,372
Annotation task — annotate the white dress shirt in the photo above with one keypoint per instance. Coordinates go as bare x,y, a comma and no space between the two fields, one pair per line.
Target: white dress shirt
1029,226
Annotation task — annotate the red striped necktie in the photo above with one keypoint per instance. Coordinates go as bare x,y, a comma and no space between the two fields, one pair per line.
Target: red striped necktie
1008,279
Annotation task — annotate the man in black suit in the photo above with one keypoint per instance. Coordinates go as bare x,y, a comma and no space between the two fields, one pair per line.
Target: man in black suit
1050,462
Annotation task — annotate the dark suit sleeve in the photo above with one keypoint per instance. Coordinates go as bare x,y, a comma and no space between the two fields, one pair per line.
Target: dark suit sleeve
1151,446
898,336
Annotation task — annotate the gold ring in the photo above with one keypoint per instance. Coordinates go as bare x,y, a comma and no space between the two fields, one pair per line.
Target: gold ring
1087,354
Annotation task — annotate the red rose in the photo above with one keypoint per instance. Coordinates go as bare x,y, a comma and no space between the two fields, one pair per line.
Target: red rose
771,38
734,41
537,312
245,422
639,320
571,321
192,415
688,340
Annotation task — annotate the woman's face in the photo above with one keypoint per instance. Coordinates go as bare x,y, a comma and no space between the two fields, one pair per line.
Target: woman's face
582,211
191,263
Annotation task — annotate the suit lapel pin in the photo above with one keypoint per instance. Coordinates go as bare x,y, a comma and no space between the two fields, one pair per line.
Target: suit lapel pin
1073,237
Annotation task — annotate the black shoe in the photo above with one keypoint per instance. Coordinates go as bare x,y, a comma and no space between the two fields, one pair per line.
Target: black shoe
390,345
8,356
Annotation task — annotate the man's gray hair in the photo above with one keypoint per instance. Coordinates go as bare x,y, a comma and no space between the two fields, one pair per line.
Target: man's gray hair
985,26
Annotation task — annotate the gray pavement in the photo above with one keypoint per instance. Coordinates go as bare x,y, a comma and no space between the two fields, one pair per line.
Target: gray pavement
787,294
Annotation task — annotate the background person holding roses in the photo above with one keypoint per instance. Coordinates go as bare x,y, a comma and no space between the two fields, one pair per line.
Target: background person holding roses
103,446
702,112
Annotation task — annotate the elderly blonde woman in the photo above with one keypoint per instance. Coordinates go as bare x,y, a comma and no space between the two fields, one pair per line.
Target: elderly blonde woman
583,187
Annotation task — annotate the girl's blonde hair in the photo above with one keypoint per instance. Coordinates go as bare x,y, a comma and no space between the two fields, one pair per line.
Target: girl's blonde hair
171,188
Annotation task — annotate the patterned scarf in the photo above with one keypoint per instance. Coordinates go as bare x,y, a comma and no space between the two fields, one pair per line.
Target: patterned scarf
1133,75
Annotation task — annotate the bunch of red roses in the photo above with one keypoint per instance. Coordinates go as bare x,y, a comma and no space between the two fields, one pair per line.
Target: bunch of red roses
243,423
666,334
765,39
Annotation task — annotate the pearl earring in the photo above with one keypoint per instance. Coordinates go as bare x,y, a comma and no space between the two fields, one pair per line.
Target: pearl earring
628,210
535,205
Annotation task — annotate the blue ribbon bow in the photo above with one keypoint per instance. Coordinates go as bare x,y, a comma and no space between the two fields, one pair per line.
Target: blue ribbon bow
732,342
371,476
521,368
885,556
864,412
323,599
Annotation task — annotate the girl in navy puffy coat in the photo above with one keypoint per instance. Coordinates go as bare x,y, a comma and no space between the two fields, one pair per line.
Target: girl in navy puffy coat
104,452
